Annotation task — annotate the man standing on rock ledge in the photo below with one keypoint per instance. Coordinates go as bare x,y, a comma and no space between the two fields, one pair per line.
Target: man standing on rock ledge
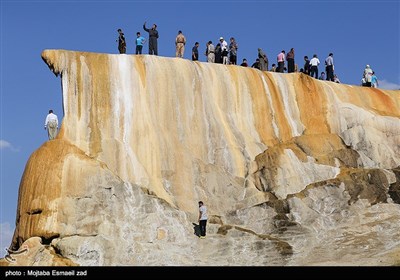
202,219
121,42
153,36
180,42
51,124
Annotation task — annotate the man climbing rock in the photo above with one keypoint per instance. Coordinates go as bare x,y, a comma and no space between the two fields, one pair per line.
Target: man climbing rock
51,124
153,36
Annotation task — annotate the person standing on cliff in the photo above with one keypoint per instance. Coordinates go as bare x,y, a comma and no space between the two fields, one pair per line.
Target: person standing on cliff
210,52
121,42
51,124
314,62
281,62
290,60
202,219
367,76
153,36
139,43
233,46
180,42
374,80
218,54
329,67
195,52
224,50
306,65
263,60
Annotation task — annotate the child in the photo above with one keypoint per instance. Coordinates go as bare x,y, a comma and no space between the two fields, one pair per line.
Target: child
336,79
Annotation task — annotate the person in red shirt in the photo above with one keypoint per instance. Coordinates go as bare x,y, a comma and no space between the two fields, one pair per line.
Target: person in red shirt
290,60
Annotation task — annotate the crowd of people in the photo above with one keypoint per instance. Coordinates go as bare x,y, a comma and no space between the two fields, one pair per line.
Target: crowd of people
227,54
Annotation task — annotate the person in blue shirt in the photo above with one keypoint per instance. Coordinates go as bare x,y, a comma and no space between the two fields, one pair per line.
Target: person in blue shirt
139,43
374,80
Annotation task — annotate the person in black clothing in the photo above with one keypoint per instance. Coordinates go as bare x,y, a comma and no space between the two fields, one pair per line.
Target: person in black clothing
329,67
306,65
257,64
121,42
218,53
195,51
290,60
153,36
244,63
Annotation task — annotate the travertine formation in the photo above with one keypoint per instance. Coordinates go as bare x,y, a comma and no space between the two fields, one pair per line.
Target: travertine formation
293,170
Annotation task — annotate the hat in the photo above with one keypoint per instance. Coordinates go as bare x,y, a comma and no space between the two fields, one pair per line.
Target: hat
221,38
367,66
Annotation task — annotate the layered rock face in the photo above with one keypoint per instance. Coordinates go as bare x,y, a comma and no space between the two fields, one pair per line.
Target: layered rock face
293,170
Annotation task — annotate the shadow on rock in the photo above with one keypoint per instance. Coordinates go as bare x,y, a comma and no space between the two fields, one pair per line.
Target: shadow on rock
196,229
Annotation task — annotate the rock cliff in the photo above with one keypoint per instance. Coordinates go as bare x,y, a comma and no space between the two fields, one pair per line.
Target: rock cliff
293,170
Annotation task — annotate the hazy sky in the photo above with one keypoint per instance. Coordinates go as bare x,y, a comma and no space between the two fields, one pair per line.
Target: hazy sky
357,32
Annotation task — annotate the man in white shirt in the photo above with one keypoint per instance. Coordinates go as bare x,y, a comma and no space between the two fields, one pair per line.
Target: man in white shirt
314,62
51,124
367,75
224,50
202,219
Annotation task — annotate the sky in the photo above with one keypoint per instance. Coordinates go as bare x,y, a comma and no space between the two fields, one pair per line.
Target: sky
357,32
